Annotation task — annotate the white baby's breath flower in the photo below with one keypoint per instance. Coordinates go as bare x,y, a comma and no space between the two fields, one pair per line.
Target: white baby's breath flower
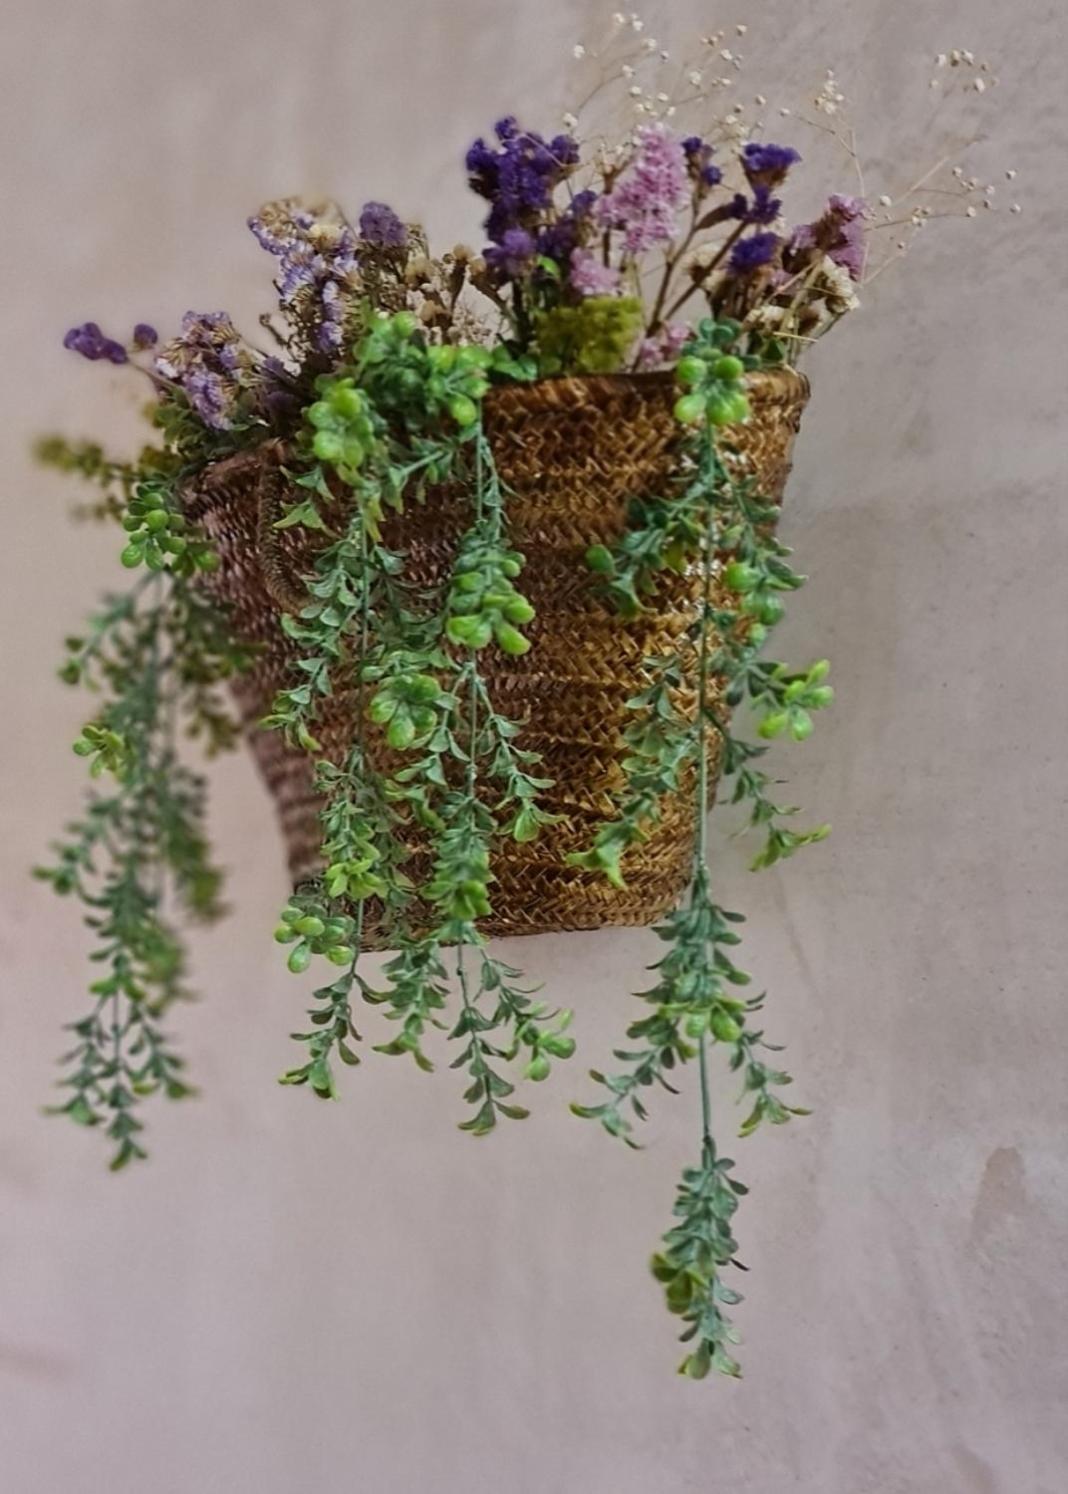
886,200
695,78
578,51
1016,208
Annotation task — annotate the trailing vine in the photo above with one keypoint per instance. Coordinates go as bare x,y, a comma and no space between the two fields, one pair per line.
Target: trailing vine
719,525
413,660
138,858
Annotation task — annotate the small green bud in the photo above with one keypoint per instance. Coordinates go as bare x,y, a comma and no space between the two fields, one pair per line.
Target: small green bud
299,958
347,401
773,725
132,556
463,410
740,577
518,610
729,368
599,559
689,409
511,640
400,733
327,446
691,371
724,1027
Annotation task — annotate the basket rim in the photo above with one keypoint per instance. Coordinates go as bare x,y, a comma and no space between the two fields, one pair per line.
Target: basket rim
779,385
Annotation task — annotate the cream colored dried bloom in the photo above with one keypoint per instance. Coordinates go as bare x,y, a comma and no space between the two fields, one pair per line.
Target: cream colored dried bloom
836,286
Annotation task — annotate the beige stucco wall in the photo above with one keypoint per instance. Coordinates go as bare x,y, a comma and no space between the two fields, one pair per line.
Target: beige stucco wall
295,1297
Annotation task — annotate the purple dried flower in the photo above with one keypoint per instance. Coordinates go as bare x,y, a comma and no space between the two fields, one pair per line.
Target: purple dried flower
767,164
90,342
558,240
519,178
645,200
145,336
513,257
703,173
589,276
752,253
379,225
764,208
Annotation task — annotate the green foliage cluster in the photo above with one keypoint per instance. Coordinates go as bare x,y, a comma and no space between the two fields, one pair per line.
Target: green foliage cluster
402,415
434,765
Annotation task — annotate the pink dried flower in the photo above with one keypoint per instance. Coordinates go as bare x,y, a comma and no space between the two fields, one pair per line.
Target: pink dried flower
589,276
664,346
645,200
840,233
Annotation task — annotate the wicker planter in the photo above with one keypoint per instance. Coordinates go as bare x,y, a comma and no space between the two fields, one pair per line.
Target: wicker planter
573,453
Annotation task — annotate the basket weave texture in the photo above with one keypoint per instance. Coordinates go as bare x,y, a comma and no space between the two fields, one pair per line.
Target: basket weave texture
572,454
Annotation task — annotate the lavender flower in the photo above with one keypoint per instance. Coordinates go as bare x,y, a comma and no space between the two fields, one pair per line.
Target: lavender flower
209,363
767,165
209,397
90,342
145,336
839,232
314,254
645,200
589,277
379,225
752,253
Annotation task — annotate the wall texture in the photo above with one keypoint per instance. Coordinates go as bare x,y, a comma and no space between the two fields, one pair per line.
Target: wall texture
293,1297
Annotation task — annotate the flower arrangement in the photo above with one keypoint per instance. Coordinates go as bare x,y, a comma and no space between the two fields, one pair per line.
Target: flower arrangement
659,260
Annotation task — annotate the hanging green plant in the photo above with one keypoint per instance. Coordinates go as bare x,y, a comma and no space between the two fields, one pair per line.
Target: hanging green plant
484,551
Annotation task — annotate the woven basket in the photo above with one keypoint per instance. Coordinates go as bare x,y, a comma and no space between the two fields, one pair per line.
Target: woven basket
572,453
